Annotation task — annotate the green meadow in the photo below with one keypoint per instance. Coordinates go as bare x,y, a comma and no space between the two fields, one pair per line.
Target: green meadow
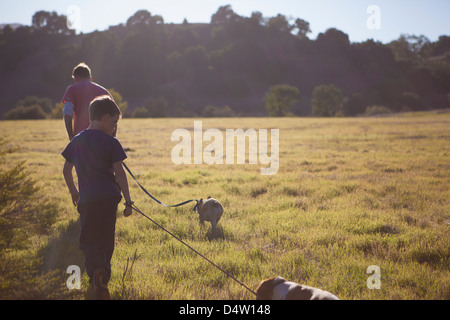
349,193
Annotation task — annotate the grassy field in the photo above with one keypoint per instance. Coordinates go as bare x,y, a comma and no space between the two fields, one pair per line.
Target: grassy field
349,193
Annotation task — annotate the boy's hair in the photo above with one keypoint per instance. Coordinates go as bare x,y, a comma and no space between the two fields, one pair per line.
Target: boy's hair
81,71
102,105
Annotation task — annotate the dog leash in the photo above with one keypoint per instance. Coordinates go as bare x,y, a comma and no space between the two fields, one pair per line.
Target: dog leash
135,208
148,193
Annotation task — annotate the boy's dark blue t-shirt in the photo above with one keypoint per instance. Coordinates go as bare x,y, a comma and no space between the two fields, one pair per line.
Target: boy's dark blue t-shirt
93,154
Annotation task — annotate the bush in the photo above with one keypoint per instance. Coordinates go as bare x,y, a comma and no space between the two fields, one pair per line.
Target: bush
141,112
23,113
46,104
376,110
21,206
327,101
123,105
217,112
25,216
57,111
158,108
154,108
184,112
280,99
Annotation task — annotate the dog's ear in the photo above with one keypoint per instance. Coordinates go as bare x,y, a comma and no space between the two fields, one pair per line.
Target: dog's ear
198,205
265,289
209,197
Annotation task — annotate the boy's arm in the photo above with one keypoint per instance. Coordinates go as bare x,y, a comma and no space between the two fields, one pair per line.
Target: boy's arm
68,112
69,128
122,181
68,176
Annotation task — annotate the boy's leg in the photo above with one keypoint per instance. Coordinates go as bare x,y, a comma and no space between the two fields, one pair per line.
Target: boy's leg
109,229
97,234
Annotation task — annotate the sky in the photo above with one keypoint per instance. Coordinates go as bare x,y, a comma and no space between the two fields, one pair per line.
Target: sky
381,20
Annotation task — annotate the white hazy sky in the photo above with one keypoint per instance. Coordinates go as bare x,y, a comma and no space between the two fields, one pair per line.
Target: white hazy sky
430,18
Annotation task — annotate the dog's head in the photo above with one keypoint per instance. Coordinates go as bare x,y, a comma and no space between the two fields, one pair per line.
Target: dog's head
265,288
199,204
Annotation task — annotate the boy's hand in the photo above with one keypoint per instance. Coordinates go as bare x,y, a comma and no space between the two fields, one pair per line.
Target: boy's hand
127,211
75,197
68,177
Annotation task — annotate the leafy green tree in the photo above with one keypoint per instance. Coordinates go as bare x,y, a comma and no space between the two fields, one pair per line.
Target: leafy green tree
411,48
355,104
231,59
192,62
141,112
45,103
31,107
122,104
142,54
25,113
57,111
333,42
153,108
225,15
216,112
280,99
441,47
327,101
26,214
51,23
182,37
157,108
102,48
280,23
303,28
22,207
143,19
376,110
258,18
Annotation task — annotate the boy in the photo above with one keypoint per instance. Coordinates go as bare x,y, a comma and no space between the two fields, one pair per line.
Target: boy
77,99
97,157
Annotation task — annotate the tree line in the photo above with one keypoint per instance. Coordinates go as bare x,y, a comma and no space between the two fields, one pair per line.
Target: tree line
232,66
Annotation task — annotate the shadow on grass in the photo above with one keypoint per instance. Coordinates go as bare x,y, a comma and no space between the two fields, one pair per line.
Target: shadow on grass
61,252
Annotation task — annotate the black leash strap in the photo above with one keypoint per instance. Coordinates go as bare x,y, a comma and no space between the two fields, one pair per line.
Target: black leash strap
148,193
201,255
133,206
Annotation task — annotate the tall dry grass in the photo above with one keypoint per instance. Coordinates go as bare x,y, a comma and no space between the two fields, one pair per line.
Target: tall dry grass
349,193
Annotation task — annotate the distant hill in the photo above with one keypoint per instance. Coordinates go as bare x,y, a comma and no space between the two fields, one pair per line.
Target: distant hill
231,61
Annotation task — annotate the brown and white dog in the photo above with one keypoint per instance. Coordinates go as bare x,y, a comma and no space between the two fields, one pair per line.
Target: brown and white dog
210,210
279,289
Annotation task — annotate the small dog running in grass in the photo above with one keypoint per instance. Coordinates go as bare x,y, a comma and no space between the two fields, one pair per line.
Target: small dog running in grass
281,289
210,210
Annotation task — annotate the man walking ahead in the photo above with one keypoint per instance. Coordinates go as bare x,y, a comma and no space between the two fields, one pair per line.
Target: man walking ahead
77,99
